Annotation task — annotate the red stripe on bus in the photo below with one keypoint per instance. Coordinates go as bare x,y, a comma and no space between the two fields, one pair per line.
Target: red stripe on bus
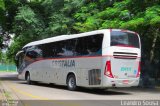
81,57
125,46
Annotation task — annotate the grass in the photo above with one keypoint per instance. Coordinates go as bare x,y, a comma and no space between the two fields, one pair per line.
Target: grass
8,97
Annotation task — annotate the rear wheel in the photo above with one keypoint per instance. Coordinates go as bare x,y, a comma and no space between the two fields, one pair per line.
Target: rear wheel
71,82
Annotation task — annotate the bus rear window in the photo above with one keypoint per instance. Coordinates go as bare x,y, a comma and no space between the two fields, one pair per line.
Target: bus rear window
124,39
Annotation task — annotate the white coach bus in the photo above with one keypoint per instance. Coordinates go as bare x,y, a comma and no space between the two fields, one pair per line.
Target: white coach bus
97,59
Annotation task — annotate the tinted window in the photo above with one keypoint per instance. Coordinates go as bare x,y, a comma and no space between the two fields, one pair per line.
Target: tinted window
89,45
83,46
70,47
47,50
59,49
124,39
34,52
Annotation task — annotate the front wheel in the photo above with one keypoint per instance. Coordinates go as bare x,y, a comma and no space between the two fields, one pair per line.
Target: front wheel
28,79
71,82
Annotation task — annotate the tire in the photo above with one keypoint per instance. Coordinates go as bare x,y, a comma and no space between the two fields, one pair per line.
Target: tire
71,82
28,79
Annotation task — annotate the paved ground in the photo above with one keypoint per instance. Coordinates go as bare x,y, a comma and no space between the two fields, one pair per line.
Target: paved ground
17,91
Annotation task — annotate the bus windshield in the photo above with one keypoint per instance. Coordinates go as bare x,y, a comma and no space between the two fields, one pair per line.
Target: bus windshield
124,39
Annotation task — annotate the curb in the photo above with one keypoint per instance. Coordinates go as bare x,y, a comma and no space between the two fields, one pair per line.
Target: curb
158,87
1,92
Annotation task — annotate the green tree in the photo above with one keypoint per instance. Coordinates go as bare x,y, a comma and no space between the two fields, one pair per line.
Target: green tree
8,10
32,20
140,16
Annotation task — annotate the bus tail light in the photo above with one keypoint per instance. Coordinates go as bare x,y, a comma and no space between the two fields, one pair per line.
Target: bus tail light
107,70
139,70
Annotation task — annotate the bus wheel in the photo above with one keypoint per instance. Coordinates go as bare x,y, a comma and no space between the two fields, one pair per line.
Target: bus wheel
71,82
28,79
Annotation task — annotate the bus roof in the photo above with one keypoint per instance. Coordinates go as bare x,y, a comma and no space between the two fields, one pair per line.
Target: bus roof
64,37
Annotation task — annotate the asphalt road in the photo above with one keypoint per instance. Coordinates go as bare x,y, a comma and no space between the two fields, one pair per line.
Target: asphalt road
18,92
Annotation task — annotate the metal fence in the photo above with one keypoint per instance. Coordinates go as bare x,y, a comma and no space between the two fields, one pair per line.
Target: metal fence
7,67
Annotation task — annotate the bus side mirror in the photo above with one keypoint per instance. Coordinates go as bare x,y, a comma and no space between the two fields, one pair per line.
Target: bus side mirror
18,54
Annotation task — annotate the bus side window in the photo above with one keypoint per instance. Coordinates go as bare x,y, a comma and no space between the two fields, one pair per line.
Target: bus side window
70,47
47,51
54,49
97,43
60,49
89,45
94,44
80,47
32,54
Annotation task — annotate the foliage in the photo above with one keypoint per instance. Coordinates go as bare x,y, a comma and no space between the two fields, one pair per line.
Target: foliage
8,10
32,20
27,23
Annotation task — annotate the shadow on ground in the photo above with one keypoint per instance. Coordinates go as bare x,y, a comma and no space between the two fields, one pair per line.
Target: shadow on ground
113,91
82,89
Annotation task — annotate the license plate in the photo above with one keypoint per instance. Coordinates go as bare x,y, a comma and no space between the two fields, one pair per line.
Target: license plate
125,81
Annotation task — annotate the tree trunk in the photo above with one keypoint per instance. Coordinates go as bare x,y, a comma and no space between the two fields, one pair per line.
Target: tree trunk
153,45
